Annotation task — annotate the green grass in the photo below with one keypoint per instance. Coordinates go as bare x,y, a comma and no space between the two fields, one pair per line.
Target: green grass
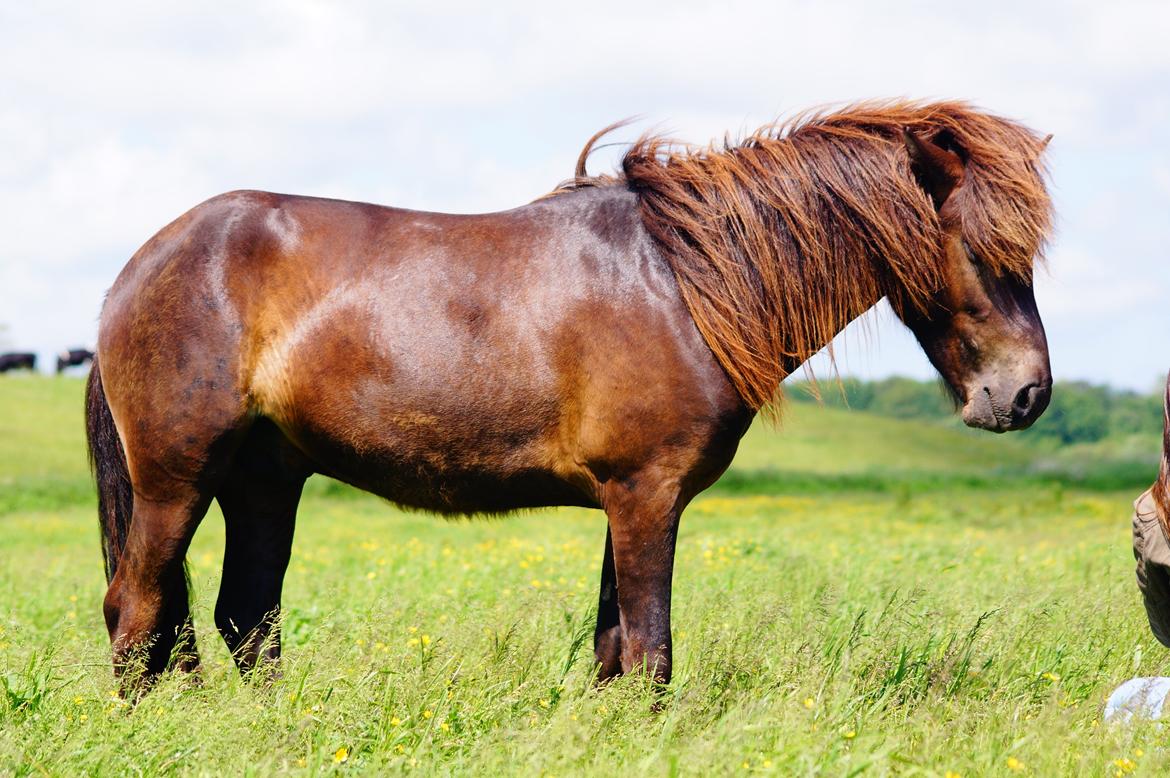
42,443
970,618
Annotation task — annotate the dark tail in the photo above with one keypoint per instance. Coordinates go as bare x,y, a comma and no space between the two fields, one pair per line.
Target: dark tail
108,462
1161,490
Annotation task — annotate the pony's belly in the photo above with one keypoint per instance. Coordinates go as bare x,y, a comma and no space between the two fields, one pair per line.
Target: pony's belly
450,490
439,464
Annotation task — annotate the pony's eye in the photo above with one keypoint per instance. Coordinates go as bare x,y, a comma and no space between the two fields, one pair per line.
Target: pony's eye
977,312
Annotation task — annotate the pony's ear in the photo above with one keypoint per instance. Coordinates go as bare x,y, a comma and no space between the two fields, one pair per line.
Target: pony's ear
938,170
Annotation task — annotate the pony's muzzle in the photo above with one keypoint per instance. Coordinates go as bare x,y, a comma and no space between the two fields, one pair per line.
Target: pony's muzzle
1006,408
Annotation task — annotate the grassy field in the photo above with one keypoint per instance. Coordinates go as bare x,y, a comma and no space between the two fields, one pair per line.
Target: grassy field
858,596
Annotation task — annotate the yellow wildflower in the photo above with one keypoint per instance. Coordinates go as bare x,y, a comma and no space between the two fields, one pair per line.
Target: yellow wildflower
1014,764
341,755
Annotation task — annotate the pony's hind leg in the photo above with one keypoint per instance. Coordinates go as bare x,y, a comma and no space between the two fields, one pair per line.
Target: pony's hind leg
259,501
607,638
177,447
146,606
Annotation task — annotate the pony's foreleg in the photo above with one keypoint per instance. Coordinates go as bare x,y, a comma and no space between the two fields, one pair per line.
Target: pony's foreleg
607,638
643,523
259,502
146,606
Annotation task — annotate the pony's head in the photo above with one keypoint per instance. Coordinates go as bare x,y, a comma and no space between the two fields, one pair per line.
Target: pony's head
780,240
980,328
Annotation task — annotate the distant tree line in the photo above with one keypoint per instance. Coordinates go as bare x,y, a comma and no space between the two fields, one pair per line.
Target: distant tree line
1080,412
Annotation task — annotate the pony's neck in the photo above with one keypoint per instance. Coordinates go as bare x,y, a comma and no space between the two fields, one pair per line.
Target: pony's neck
778,244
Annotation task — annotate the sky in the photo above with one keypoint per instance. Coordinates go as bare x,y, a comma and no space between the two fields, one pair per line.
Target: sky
116,117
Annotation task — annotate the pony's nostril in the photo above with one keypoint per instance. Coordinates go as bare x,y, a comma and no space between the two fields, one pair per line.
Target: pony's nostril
1030,402
1023,402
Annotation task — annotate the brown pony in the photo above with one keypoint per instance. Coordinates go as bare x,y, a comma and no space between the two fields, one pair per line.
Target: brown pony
605,346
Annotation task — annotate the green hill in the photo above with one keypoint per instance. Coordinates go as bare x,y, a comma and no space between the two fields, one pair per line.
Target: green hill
42,442
817,447
817,439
